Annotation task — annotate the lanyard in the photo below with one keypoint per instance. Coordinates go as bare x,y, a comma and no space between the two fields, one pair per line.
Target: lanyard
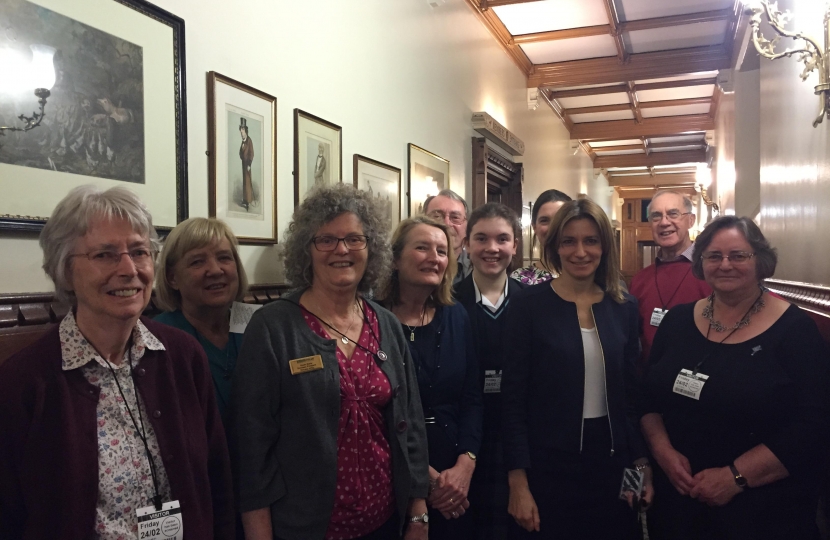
139,431
657,286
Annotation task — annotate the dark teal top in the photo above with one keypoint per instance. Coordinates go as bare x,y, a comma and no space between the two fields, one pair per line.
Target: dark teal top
222,361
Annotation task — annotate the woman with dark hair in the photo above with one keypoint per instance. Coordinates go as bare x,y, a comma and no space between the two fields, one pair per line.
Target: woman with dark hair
328,436
545,207
569,422
736,408
419,293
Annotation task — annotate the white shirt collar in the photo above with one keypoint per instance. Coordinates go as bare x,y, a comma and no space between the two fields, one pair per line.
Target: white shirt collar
485,302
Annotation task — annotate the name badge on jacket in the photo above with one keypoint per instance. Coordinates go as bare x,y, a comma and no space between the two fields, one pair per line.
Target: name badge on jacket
689,384
657,316
304,365
162,524
492,381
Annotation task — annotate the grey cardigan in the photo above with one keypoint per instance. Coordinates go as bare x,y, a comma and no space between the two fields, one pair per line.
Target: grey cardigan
284,427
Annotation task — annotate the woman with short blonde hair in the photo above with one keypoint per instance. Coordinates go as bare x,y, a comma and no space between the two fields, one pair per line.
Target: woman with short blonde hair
199,278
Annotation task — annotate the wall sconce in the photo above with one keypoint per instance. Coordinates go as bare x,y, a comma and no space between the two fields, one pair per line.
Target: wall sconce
811,53
709,202
40,75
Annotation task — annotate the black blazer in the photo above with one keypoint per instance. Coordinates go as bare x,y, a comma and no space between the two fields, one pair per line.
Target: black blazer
542,385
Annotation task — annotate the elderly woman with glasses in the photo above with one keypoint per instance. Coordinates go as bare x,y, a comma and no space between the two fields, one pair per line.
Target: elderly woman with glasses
736,408
328,434
109,416
200,276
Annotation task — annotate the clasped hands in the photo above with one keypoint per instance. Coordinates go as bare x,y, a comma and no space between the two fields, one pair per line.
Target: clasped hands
449,488
715,487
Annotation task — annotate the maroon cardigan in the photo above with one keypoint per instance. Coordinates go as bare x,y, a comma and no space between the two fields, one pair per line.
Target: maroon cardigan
48,440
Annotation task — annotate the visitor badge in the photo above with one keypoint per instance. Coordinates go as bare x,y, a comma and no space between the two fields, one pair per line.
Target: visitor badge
165,524
304,365
689,384
241,315
632,482
492,381
657,316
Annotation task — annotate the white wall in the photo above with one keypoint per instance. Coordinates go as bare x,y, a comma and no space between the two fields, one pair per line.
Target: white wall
389,72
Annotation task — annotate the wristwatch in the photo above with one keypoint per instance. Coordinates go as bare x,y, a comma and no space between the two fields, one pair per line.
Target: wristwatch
470,455
423,518
740,481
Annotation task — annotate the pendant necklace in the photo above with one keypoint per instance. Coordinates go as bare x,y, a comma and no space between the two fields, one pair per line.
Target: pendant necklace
343,338
709,313
412,328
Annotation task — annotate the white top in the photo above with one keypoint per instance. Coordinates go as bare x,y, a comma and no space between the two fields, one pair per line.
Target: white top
485,302
594,404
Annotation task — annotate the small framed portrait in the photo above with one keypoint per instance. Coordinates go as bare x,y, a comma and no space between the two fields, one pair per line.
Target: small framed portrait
428,174
383,182
242,171
318,153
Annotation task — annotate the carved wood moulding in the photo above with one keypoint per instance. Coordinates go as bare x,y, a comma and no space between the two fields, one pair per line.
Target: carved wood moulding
492,130
807,295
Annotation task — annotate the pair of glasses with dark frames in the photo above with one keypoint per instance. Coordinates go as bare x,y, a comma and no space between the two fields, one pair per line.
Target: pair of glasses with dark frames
353,242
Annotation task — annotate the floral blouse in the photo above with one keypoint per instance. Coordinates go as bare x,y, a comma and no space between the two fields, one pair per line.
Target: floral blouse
363,498
530,275
124,479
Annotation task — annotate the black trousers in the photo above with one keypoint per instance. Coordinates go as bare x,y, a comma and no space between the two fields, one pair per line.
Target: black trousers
578,494
387,531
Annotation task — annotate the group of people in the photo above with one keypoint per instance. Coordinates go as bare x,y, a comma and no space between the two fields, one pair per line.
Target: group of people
413,388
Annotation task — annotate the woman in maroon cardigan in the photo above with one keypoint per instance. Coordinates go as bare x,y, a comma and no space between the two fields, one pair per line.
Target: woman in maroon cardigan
109,416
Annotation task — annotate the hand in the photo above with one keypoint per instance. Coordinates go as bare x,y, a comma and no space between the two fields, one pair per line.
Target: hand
715,487
416,531
677,468
452,487
523,508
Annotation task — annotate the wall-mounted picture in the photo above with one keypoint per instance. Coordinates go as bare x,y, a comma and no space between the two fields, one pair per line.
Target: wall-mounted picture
383,182
318,154
242,168
114,113
428,174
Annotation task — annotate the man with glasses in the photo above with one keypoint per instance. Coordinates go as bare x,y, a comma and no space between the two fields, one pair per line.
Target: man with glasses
450,208
669,281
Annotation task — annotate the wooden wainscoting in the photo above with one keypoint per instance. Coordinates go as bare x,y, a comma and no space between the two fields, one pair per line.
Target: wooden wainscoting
25,317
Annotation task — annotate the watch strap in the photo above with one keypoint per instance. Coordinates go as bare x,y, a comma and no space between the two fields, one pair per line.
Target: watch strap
740,481
421,518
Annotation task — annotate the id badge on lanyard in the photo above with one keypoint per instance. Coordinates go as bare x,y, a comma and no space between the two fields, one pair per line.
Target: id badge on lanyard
689,383
165,524
657,316
492,381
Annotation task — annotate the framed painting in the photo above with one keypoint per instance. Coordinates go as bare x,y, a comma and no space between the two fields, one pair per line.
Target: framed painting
318,153
116,113
242,159
428,174
383,182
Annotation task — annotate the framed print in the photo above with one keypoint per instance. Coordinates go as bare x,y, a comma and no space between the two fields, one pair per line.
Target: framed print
383,182
242,159
116,113
428,174
318,153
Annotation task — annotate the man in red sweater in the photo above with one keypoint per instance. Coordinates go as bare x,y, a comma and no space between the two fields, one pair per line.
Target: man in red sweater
669,281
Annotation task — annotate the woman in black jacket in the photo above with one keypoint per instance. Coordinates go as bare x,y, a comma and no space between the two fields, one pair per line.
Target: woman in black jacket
569,419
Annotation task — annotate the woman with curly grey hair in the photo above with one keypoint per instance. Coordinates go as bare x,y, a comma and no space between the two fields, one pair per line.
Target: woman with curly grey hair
328,436
109,416
735,410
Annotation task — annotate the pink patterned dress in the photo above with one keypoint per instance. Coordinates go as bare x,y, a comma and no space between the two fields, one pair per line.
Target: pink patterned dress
363,497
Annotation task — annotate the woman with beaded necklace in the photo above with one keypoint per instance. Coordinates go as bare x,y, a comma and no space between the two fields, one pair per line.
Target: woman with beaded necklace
736,409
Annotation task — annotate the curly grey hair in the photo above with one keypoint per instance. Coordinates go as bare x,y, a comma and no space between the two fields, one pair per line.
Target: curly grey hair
321,206
71,220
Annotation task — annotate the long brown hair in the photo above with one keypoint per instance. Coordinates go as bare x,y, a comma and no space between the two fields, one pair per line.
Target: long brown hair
390,292
607,275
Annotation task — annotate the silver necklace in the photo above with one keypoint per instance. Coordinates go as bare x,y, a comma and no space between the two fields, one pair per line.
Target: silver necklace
343,337
717,326
412,328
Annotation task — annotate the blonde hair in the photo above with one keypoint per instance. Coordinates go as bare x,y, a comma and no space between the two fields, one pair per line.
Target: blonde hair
191,234
390,293
607,275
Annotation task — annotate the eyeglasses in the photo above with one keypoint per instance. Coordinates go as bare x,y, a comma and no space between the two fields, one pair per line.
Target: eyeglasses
736,257
353,242
673,215
456,218
109,258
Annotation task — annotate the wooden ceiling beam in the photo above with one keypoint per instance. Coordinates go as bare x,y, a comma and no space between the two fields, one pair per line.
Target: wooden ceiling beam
674,102
582,92
490,20
635,103
486,4
570,33
622,88
650,160
617,148
675,84
676,20
649,180
599,109
651,65
680,144
713,109
665,126
616,33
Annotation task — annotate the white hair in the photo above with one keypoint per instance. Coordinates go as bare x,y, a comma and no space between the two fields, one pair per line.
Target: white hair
71,220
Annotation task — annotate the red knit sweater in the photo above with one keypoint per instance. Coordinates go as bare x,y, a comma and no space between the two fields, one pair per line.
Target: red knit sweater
673,284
